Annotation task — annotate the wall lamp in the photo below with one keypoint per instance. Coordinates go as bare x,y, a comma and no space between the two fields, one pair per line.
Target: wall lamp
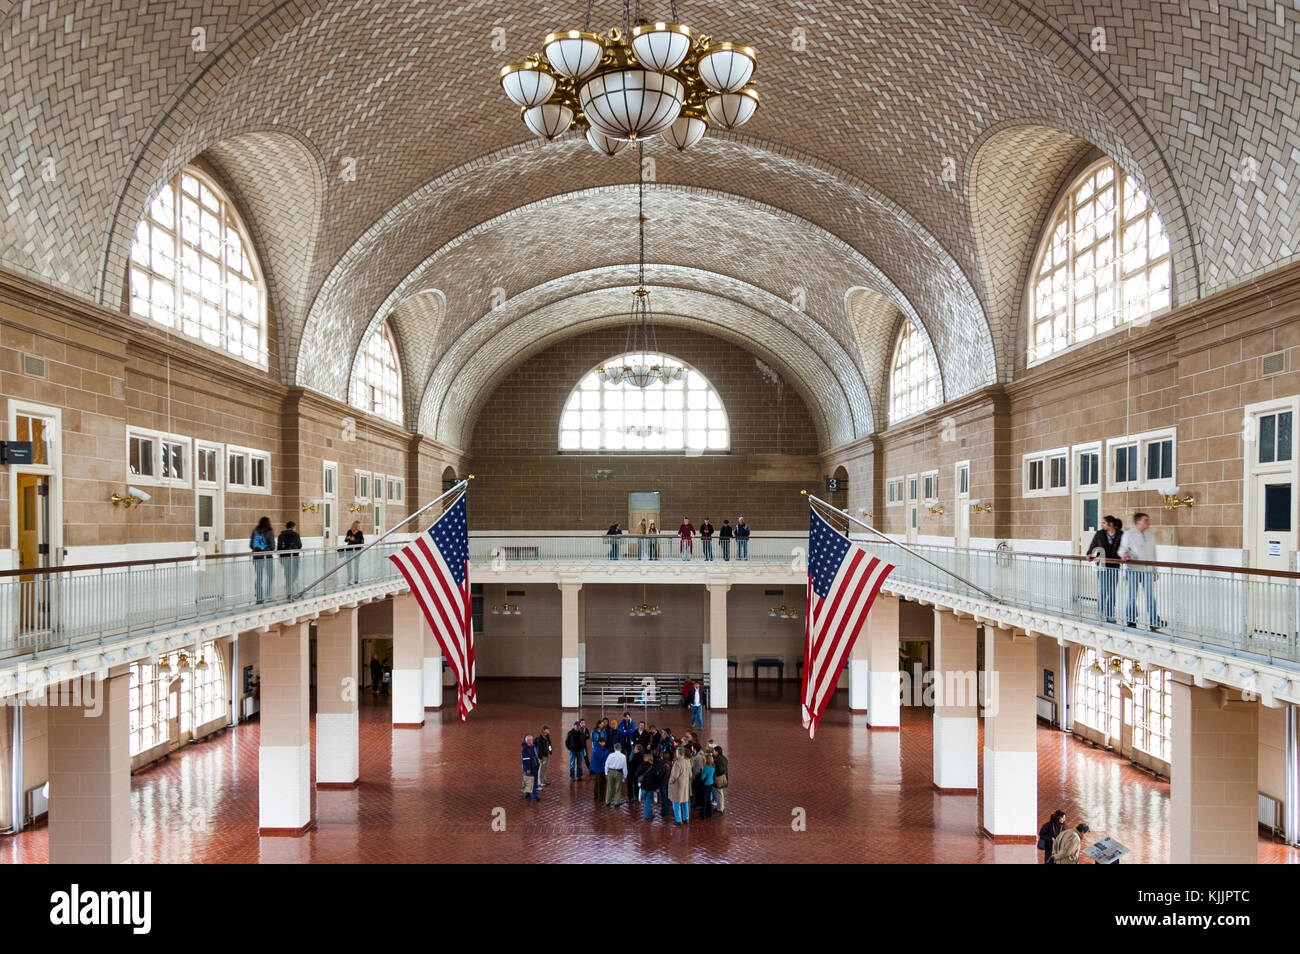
865,513
357,508
936,511
134,497
312,507
977,507
1173,501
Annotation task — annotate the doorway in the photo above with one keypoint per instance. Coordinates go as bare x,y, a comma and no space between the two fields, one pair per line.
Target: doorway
642,506
33,499
961,516
1269,535
329,501
209,499
1085,513
912,507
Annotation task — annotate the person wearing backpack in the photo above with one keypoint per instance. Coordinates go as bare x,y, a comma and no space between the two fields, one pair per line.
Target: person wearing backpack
354,539
288,543
262,544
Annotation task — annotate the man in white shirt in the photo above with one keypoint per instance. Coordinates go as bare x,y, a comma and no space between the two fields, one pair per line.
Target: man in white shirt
697,708
615,769
1139,544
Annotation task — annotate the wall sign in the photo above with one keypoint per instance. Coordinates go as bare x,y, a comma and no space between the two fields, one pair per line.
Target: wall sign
1274,548
832,485
1049,684
15,452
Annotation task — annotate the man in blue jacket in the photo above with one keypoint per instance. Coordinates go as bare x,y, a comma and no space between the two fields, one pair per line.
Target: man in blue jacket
626,729
528,755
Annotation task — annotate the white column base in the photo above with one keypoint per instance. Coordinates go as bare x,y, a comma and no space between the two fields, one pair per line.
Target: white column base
956,752
1010,793
569,682
433,682
408,697
883,705
718,683
859,676
705,656
284,786
337,754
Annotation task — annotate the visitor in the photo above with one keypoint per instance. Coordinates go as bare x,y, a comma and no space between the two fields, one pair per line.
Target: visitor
724,535
653,533
696,755
576,744
586,743
287,544
644,737
1104,548
1048,833
647,780
261,542
543,743
353,540
742,539
1068,845
602,733
624,732
615,769
1139,544
706,539
697,707
528,755
599,755
388,675
633,767
667,749
721,779
687,686
642,551
376,675
686,538
614,532
679,787
707,774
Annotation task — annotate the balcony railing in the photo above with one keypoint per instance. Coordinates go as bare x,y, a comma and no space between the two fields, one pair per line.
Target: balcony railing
1253,613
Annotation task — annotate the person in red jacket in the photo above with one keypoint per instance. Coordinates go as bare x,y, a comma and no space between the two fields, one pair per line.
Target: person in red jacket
686,535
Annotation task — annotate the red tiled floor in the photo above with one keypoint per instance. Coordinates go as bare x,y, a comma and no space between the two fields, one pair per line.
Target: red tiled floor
428,795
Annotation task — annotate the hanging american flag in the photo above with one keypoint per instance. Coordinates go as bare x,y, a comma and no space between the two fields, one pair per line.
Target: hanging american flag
436,565
843,580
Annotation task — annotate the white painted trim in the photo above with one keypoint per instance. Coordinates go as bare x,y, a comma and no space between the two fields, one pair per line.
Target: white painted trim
1010,792
284,786
337,747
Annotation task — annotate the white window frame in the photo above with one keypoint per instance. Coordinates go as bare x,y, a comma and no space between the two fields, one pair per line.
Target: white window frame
957,469
157,439
931,498
396,490
249,454
912,488
894,494
329,467
1046,458
1142,442
221,464
1078,450
357,495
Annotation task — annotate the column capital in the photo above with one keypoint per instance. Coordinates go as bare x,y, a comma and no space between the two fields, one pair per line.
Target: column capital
568,586
715,587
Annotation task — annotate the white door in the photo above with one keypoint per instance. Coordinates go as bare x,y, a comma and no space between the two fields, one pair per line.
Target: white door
1085,512
912,507
209,497
1271,523
330,506
961,519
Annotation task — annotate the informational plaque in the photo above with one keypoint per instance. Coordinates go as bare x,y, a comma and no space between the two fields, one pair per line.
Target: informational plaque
1106,852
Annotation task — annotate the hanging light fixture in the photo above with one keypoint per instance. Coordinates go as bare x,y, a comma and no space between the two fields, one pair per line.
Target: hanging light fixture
638,80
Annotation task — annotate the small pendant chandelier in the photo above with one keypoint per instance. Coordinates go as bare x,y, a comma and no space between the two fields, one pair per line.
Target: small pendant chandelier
640,80
642,364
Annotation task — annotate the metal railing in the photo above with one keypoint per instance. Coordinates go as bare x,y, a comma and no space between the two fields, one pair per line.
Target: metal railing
628,691
1245,611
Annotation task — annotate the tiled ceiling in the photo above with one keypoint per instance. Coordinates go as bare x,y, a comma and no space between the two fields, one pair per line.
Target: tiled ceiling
908,149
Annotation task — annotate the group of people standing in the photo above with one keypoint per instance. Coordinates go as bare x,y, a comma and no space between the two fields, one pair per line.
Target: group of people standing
642,761
1112,546
264,544
1059,845
686,533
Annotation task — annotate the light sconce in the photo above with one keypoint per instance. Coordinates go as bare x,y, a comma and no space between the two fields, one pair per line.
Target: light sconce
312,507
202,664
936,511
782,613
1173,501
357,508
134,497
184,665
165,668
865,513
507,609
977,507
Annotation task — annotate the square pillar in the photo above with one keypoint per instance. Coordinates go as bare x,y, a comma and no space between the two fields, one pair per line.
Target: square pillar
89,772
718,645
284,755
1010,736
882,660
860,674
408,663
1214,788
956,704
432,668
570,627
337,690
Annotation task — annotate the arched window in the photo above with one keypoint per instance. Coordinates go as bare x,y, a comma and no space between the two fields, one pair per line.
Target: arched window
682,415
914,381
1104,261
193,269
1096,694
377,387
200,700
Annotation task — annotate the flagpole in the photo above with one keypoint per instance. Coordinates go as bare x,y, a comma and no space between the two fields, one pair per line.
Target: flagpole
905,547
459,485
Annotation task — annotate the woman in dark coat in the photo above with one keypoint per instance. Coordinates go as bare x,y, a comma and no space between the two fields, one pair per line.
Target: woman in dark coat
1104,549
262,544
1047,834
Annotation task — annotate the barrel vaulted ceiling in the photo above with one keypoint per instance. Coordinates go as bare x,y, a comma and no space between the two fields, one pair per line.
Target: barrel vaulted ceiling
899,169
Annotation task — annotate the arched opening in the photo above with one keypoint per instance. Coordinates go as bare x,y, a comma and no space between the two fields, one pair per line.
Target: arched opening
448,478
837,488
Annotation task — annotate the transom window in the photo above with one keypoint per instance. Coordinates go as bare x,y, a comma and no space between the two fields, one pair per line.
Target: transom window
685,414
914,384
377,387
193,269
1104,262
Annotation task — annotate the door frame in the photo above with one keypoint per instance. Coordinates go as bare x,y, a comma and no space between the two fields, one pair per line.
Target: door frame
330,498
217,489
53,470
1078,491
912,507
961,504
1251,470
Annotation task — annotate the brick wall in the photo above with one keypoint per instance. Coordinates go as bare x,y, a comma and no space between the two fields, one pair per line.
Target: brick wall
523,483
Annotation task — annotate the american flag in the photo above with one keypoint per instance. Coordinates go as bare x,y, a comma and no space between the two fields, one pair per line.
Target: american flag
436,565
843,580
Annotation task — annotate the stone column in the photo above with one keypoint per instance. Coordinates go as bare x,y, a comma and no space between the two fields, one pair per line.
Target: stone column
432,668
956,704
1214,807
718,645
1010,736
860,674
882,659
284,757
570,626
408,663
90,772
337,690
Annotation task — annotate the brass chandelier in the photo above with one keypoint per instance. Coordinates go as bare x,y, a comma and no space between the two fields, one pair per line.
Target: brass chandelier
640,80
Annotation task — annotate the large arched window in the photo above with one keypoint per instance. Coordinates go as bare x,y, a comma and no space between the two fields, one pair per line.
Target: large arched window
193,269
682,415
201,696
1097,700
377,387
914,379
1104,262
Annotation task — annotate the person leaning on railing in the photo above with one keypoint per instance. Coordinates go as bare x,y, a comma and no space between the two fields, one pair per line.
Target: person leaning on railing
724,537
262,544
742,539
354,539
614,533
287,543
1105,548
